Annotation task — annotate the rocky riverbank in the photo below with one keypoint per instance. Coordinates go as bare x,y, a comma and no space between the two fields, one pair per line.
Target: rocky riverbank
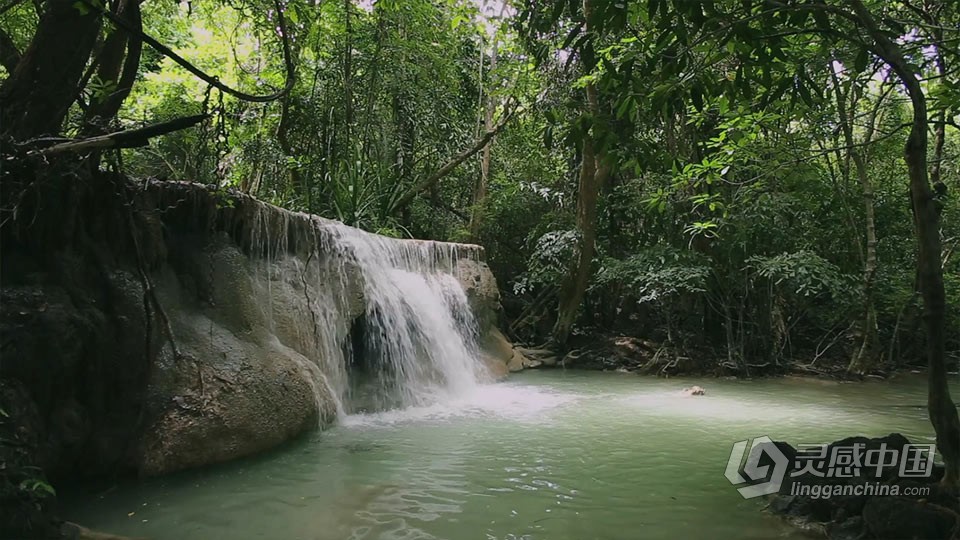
629,354
863,489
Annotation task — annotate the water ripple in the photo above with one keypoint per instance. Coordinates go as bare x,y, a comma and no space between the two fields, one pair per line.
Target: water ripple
547,456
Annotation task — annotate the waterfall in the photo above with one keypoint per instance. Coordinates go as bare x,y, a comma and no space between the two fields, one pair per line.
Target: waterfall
417,340
412,340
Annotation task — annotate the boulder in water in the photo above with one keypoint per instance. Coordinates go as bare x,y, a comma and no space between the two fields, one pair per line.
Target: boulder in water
498,354
816,500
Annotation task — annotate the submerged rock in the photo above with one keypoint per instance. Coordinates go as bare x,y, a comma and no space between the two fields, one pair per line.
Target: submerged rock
499,355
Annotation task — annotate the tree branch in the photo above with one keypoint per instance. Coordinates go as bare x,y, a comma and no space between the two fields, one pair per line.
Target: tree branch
124,139
121,22
449,166
101,111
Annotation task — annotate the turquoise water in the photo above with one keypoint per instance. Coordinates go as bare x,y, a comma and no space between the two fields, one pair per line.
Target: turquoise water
557,455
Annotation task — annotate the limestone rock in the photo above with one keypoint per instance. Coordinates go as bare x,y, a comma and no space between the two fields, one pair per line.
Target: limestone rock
499,355
238,281
482,291
481,288
532,363
251,399
516,362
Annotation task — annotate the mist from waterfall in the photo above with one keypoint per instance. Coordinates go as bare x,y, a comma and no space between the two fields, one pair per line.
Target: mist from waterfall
410,338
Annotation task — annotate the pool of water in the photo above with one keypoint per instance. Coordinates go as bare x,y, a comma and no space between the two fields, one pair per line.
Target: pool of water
553,455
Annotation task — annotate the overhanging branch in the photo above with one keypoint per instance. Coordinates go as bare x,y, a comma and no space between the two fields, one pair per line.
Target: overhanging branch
449,166
210,79
130,138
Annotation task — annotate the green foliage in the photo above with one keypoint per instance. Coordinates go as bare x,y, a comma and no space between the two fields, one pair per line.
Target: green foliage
803,273
718,121
656,274
37,488
550,261
723,134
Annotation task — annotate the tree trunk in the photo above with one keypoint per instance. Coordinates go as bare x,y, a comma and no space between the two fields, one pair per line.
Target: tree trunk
404,127
9,54
348,74
372,86
291,157
926,216
480,194
593,174
104,108
940,128
38,94
943,412
865,356
430,182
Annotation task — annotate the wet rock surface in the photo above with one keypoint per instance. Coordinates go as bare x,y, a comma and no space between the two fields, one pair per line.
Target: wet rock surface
884,501
229,365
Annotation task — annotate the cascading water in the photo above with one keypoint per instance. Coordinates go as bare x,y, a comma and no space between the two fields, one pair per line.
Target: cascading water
418,333
412,342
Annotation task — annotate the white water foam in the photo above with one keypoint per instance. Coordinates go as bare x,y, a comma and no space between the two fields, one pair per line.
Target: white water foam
515,402
419,335
386,321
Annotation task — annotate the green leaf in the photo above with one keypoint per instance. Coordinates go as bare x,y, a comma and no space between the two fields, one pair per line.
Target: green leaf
696,95
799,17
652,6
624,107
860,63
38,487
571,36
823,22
